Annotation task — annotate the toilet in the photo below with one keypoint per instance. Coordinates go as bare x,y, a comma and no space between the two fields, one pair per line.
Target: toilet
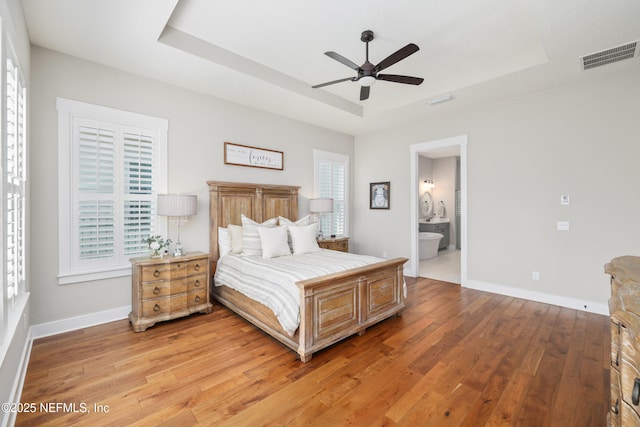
428,244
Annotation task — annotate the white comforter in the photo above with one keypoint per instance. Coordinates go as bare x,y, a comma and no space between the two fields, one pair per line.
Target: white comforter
272,282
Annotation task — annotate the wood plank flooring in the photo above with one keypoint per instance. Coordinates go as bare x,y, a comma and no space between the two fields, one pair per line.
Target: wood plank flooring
456,357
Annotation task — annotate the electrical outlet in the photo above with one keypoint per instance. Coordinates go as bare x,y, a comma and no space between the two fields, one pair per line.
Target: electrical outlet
563,226
535,275
384,254
564,199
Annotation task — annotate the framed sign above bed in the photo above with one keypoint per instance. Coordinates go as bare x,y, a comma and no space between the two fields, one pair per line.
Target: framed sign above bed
245,155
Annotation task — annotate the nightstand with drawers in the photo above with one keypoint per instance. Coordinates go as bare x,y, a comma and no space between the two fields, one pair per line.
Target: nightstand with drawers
335,244
167,288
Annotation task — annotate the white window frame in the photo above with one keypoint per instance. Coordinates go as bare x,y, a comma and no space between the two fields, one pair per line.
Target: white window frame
71,270
342,159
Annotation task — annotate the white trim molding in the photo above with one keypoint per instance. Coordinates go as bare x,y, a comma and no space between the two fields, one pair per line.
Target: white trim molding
576,304
79,322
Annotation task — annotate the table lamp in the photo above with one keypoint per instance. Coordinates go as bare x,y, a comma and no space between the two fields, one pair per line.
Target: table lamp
320,206
177,207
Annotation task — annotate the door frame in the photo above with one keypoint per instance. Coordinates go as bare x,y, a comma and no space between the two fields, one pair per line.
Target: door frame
415,150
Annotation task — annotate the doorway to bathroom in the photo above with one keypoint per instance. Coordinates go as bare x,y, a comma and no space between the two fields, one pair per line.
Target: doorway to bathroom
438,182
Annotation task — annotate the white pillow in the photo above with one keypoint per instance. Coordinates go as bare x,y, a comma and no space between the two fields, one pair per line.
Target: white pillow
224,241
302,221
286,221
235,234
274,241
250,238
303,238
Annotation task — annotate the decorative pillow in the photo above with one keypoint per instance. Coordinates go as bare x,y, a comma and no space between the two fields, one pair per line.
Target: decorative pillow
250,238
224,241
235,234
274,241
302,221
286,221
303,238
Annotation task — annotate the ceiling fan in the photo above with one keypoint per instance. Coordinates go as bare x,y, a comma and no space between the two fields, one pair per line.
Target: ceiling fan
368,73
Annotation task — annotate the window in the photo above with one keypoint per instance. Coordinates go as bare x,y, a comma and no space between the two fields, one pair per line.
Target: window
14,184
332,180
112,166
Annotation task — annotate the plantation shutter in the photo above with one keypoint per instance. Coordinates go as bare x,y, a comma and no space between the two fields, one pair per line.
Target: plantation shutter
115,190
15,181
138,190
96,144
332,184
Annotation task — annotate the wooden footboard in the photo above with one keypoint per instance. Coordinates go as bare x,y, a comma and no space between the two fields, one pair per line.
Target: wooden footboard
339,305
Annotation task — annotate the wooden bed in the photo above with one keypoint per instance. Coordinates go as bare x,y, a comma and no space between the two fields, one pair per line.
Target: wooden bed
332,307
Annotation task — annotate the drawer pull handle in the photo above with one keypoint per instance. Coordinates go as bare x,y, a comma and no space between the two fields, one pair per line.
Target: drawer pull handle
618,358
197,284
156,307
635,395
614,408
156,273
156,291
197,298
197,267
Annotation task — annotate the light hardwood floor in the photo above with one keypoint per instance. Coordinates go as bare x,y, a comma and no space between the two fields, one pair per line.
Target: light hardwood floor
456,357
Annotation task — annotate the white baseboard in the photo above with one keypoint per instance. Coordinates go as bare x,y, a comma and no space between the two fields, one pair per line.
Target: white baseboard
576,304
18,383
79,322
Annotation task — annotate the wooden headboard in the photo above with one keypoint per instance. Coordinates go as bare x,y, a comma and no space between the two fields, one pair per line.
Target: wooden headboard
229,200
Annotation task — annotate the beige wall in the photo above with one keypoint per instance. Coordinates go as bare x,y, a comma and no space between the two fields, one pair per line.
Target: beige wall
198,127
579,139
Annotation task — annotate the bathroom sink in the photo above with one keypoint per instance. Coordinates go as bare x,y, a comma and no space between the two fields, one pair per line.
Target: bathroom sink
437,220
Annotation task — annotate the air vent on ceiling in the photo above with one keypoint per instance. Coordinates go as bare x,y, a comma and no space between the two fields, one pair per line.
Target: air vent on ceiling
608,56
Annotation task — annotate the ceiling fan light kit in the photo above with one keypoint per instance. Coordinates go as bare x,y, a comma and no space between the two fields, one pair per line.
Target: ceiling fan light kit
368,73
366,80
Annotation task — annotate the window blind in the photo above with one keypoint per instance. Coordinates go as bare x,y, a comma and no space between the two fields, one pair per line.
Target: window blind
332,183
112,157
15,181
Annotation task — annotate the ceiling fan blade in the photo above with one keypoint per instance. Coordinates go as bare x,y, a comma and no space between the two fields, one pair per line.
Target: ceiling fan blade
399,55
341,59
333,82
364,92
400,79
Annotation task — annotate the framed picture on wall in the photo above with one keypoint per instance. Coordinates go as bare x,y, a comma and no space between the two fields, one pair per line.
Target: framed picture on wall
379,195
245,155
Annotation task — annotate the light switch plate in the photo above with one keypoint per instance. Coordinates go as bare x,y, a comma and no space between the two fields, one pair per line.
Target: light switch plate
563,225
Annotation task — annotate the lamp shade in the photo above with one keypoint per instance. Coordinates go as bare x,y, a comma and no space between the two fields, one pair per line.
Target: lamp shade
321,205
177,204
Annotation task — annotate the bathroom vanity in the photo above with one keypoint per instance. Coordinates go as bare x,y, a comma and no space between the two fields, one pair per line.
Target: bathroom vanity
441,227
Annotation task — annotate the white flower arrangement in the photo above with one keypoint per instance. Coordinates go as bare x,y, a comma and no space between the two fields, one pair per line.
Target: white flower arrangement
156,243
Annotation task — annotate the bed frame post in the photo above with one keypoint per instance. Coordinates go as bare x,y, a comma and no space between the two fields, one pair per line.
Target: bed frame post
213,227
304,329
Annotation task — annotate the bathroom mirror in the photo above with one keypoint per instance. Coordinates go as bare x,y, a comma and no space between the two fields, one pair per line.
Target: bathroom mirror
426,204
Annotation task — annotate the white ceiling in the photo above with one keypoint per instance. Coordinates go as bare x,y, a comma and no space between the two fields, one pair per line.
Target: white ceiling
268,54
